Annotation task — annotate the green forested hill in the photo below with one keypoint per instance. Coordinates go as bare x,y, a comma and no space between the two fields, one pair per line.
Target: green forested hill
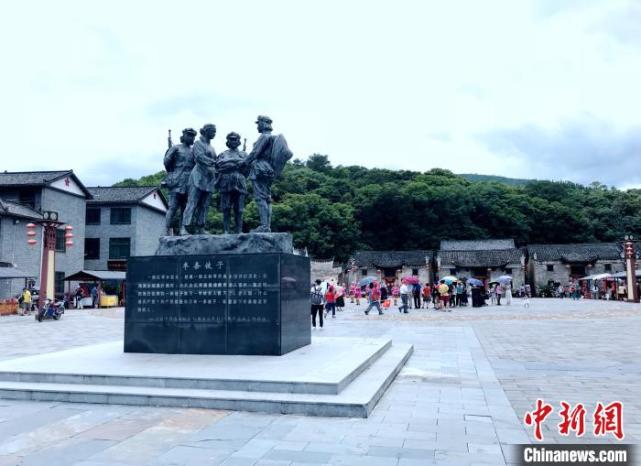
499,179
334,210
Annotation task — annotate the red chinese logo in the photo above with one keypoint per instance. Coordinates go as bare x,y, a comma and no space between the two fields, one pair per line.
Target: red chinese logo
572,419
537,417
609,419
67,182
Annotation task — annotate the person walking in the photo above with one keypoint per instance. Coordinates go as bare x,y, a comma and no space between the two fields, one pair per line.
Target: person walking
396,292
498,289
427,295
374,295
460,290
330,301
444,295
508,293
405,297
384,293
340,297
416,294
94,296
357,295
26,302
317,303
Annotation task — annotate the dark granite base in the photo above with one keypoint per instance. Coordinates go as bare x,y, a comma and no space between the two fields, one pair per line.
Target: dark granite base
218,304
244,243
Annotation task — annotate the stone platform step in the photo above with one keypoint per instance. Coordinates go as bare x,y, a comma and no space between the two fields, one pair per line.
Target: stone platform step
356,400
326,367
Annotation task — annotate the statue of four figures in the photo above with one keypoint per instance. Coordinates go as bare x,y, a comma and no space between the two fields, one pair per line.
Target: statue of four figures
194,171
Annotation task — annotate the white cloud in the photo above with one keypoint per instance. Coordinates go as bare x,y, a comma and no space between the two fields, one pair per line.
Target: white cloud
367,83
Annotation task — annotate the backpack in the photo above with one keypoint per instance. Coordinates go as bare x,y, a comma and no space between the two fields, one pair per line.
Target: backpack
317,295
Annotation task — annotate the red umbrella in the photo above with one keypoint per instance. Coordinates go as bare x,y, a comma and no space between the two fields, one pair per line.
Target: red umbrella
410,280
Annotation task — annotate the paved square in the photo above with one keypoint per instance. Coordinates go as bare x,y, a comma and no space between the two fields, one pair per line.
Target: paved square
459,400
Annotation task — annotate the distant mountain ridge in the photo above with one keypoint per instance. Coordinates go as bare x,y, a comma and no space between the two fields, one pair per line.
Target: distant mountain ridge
473,177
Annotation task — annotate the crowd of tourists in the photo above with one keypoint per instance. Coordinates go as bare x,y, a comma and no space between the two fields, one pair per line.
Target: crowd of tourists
445,295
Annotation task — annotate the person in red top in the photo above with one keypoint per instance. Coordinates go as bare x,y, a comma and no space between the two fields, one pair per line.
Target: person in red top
330,301
427,295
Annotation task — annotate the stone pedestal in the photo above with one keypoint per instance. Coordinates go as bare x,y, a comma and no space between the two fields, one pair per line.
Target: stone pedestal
225,244
196,298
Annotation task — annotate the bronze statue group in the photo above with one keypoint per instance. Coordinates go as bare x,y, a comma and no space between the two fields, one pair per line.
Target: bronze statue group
194,171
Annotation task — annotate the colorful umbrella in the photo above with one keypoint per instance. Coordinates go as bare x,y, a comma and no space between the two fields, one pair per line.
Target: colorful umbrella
449,279
475,282
410,279
503,279
365,281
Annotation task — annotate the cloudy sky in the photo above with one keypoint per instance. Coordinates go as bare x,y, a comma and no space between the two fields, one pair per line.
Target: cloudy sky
531,89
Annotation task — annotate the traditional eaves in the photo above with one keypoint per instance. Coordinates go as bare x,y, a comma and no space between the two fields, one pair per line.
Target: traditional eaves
392,259
38,178
477,245
120,194
578,252
483,258
12,209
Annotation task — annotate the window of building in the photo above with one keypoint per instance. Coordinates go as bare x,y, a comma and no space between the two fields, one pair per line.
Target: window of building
120,216
414,271
364,272
550,268
92,248
608,267
60,241
119,248
508,271
27,198
92,216
453,272
59,283
577,270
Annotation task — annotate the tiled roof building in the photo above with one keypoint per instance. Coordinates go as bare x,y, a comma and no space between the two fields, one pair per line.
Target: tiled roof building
561,263
483,259
390,265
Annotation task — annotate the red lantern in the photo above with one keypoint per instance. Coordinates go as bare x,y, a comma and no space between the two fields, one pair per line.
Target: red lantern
69,235
31,234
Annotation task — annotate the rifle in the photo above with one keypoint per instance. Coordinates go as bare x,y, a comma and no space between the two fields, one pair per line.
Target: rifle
170,144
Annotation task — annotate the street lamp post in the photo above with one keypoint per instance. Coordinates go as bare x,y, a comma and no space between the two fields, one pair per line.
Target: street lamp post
630,269
50,224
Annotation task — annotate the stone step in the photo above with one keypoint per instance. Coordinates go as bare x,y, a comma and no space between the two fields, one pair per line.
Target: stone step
326,367
356,400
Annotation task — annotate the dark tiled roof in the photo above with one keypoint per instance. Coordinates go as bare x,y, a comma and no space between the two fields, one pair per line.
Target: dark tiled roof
581,252
388,259
115,194
31,178
18,210
38,178
485,258
477,245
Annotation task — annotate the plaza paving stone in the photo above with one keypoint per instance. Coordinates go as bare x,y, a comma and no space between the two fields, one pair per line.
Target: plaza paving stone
460,400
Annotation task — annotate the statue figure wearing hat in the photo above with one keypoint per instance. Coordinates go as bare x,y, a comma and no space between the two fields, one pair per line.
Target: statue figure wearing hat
266,160
178,161
231,182
201,181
